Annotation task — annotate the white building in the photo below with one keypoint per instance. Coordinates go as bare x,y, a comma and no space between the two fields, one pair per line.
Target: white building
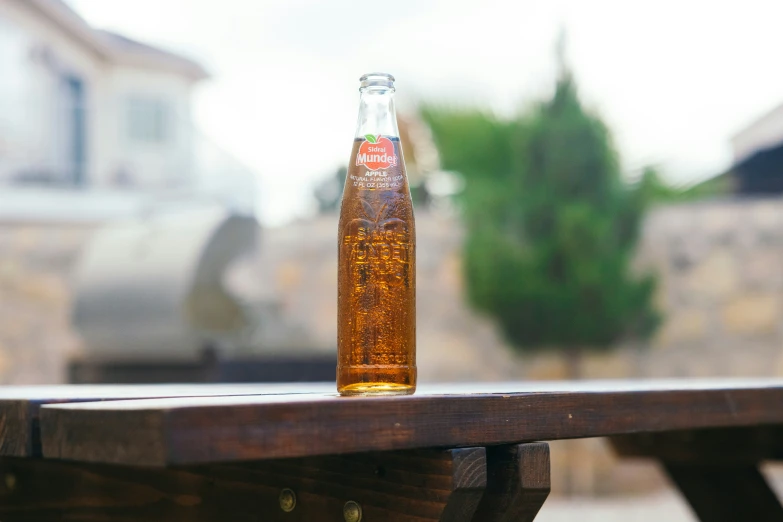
91,110
764,133
758,156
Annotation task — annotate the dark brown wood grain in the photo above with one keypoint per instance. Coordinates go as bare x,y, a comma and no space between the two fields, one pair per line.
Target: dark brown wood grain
19,433
726,493
419,486
468,484
158,432
19,405
518,483
749,445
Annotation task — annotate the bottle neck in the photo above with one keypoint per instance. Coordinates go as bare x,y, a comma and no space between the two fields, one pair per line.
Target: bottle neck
376,113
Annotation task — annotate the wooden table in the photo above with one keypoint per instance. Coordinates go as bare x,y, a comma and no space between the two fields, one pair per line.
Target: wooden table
298,452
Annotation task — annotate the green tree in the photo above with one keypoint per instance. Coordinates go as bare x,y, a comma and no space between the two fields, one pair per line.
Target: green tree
551,225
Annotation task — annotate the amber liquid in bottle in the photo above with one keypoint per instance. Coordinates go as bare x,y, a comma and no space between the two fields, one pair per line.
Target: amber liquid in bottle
376,320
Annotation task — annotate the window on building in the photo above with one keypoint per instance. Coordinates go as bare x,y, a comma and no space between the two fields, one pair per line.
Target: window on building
148,120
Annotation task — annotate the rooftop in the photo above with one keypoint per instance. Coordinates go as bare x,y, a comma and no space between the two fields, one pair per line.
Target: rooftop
114,47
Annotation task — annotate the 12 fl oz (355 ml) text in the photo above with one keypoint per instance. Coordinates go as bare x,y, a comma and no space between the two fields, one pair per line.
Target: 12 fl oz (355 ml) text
380,182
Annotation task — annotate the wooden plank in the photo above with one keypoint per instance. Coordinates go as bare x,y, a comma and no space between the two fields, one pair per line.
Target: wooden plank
726,493
19,405
749,445
416,486
158,432
518,483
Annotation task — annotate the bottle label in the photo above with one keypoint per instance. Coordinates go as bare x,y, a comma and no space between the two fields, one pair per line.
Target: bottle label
378,164
376,153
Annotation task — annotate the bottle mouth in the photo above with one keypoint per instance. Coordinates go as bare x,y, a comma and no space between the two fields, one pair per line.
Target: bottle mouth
376,80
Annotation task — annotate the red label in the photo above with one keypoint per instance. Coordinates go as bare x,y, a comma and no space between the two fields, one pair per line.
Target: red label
376,153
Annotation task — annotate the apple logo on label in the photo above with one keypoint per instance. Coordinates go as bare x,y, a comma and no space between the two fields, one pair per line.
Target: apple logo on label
377,152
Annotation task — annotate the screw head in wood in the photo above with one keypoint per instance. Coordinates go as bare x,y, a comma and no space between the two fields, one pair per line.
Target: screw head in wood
352,512
287,500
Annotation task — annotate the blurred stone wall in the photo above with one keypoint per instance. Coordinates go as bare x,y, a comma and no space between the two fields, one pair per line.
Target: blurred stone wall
35,334
721,273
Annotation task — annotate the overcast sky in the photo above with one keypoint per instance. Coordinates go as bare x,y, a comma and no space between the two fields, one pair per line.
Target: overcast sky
674,79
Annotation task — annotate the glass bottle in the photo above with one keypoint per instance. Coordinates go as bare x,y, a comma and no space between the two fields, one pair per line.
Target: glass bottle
376,302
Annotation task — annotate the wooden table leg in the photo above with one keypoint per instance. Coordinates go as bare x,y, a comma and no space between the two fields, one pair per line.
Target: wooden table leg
716,470
726,493
410,486
518,483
